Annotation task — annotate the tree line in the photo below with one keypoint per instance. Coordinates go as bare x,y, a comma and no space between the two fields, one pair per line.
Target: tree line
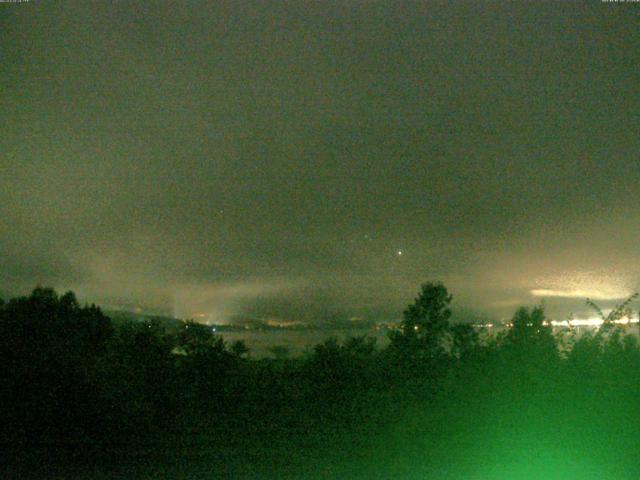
71,376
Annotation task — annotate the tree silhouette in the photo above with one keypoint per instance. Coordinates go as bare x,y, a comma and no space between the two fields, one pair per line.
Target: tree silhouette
48,347
239,348
622,310
359,346
280,352
531,336
464,340
198,339
425,323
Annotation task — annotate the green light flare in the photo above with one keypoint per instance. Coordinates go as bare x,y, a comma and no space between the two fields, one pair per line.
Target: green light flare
520,462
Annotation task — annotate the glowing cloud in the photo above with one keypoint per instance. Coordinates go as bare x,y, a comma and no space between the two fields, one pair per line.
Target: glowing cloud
580,293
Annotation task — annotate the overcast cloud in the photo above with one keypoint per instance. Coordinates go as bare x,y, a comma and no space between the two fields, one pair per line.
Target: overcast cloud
273,159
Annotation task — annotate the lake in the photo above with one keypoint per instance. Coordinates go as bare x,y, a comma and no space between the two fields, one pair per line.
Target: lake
297,341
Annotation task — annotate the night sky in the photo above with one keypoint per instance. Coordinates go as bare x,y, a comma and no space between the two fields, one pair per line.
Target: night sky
320,160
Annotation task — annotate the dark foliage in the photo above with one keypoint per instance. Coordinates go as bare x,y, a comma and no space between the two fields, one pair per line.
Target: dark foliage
70,378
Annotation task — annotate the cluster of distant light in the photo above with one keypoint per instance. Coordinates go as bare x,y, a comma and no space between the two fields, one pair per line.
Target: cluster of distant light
581,322
590,322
